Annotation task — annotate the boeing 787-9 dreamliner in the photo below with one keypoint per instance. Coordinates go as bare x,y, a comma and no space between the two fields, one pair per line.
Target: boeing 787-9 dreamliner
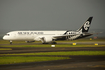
50,36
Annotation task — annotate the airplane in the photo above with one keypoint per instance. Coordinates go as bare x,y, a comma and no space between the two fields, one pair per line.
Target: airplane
50,36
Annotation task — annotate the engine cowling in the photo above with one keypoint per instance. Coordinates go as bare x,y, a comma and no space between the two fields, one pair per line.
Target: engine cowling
47,39
44,39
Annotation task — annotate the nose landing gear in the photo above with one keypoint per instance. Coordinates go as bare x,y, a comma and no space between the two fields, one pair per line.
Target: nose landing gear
10,42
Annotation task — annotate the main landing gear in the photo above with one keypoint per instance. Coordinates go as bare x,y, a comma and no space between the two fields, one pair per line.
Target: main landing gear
54,43
50,43
10,42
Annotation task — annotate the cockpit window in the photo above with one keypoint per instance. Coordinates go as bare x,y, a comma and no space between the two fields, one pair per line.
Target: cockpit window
7,34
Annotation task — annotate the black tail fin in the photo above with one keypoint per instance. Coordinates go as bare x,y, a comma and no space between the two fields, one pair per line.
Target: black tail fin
86,25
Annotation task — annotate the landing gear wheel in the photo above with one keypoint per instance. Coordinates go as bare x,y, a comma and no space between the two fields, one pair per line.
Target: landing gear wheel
10,42
44,43
54,43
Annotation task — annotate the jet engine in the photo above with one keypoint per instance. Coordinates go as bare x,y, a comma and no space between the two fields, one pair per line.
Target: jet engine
46,39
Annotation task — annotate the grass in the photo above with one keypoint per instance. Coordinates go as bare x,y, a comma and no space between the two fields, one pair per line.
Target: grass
25,59
64,53
22,59
23,44
49,45
78,40
13,60
5,49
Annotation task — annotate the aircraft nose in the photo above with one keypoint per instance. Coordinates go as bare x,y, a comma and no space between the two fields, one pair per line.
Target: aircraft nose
4,38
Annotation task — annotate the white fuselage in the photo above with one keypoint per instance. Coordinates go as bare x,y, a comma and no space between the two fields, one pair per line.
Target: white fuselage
30,35
35,35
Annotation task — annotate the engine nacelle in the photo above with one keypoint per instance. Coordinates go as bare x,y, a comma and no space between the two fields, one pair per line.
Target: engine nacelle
44,39
47,39
37,39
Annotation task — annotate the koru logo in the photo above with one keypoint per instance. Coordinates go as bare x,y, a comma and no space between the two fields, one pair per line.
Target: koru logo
86,25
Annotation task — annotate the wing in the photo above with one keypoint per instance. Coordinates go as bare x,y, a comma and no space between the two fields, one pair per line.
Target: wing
61,36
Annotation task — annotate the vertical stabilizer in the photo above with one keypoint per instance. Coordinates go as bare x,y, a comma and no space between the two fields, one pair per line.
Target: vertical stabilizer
86,25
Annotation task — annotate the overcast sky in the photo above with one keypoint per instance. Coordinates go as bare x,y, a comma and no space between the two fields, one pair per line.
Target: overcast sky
50,14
